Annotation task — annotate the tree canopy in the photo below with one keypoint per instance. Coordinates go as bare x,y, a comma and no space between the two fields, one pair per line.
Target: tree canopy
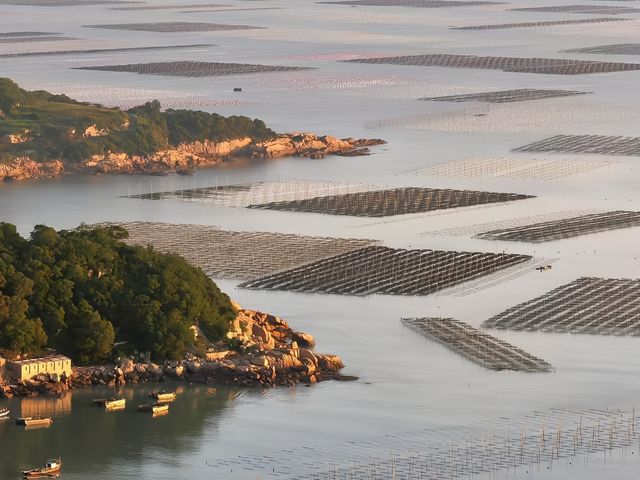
81,291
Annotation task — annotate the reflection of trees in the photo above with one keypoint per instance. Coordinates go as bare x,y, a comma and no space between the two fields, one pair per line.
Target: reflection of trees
90,438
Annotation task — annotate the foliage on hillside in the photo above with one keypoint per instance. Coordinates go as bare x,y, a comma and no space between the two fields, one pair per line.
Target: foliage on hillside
80,291
54,127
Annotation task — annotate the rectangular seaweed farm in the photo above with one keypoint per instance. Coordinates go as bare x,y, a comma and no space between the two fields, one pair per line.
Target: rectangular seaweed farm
582,9
237,255
398,201
615,49
566,228
64,3
553,23
588,144
477,346
587,305
171,27
505,96
549,66
414,3
387,271
194,69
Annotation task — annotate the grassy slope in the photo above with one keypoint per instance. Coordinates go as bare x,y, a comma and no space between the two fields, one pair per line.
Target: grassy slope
55,126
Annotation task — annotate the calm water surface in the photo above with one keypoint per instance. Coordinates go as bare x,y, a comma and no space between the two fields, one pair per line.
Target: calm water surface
406,383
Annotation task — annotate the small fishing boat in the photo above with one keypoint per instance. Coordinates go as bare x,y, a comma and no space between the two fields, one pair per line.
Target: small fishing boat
111,403
163,396
34,421
160,414
4,413
154,408
50,469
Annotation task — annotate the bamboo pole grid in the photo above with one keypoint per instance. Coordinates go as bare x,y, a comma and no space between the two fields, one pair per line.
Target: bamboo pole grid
565,228
384,270
245,194
586,9
591,144
479,347
615,49
551,66
165,27
516,168
237,255
587,305
193,69
533,442
552,23
414,3
505,96
504,224
390,202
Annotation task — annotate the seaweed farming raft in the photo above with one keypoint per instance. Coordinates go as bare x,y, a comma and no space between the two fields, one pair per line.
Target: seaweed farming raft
479,347
31,37
616,49
566,228
387,271
237,255
245,194
171,27
64,3
503,26
586,9
588,305
194,69
505,96
499,448
519,168
415,3
551,66
593,144
397,201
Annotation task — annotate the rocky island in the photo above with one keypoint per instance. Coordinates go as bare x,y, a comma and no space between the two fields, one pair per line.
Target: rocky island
265,352
46,135
139,315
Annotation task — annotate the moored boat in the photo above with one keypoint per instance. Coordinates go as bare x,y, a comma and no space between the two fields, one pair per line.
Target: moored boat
4,413
163,396
50,469
154,408
33,421
111,403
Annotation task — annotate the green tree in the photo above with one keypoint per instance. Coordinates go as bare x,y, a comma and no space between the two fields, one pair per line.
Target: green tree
79,291
90,336
18,332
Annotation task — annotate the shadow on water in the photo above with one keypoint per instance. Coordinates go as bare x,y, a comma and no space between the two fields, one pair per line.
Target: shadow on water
88,438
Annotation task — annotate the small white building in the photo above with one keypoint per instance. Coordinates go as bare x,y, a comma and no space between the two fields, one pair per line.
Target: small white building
27,369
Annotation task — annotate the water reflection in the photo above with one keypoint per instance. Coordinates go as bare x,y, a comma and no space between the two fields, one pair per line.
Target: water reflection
89,438
45,407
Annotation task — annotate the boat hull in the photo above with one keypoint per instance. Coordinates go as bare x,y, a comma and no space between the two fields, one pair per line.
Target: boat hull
163,397
32,422
155,409
43,472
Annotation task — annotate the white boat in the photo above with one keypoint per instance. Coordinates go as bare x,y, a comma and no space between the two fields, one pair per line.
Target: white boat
4,413
163,396
111,403
154,408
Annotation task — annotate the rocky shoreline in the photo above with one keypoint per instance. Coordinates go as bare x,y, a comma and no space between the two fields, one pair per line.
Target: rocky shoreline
261,350
187,157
